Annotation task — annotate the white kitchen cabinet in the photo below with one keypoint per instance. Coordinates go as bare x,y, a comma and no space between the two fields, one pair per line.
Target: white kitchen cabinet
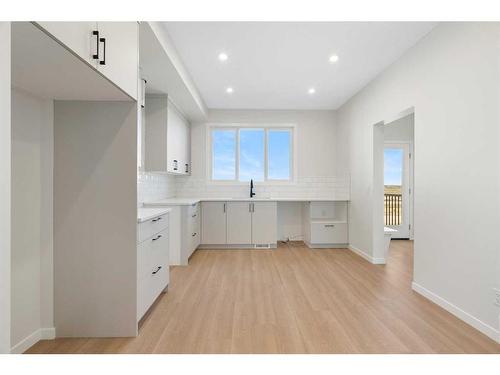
325,224
119,54
213,223
77,37
168,139
239,223
152,261
264,223
110,47
190,232
178,142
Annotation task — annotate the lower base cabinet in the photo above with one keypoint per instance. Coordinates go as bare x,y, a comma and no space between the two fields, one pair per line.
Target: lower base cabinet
152,261
325,224
239,224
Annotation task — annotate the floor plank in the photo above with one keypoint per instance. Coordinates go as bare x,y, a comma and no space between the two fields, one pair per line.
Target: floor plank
291,300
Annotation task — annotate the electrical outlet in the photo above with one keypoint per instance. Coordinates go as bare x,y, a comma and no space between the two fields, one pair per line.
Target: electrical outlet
497,296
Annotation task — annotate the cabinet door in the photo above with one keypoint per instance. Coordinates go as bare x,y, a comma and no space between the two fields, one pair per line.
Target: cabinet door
174,140
76,36
119,54
186,148
264,223
239,223
213,223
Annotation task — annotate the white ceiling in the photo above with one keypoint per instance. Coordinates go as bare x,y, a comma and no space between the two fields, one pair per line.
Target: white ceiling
272,65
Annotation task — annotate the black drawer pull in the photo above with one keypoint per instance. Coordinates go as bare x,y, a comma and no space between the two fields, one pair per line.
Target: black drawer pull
95,56
157,237
329,226
194,215
157,270
157,219
103,41
194,234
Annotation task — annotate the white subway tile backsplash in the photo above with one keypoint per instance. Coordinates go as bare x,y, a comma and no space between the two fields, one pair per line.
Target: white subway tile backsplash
155,186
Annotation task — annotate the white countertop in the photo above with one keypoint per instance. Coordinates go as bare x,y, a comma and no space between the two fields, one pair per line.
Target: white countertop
190,201
145,214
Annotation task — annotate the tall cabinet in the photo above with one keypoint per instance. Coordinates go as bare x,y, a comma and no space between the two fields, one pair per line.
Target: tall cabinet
168,137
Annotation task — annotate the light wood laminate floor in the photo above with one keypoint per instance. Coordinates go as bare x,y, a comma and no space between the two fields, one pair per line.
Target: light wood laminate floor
291,300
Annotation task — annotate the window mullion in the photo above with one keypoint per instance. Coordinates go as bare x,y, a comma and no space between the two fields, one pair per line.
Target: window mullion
237,156
266,157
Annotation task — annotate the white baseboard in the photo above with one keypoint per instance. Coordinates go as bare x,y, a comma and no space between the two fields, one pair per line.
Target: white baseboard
28,342
482,327
366,256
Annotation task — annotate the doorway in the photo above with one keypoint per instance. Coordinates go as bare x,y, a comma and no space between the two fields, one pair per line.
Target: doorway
397,188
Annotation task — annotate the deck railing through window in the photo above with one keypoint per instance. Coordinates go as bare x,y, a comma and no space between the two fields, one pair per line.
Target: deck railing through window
393,209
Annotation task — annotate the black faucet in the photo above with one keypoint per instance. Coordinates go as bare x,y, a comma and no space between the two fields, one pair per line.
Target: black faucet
251,189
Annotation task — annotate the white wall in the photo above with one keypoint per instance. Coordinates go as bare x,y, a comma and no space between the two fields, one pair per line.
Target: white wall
455,93
5,181
32,219
400,130
315,132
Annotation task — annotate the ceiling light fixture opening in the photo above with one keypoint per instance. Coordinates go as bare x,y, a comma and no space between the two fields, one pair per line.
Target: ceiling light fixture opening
333,59
223,56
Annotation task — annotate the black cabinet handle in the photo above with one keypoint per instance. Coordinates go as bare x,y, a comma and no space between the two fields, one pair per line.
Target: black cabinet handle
187,168
157,238
103,61
194,234
194,215
95,56
157,270
175,165
157,219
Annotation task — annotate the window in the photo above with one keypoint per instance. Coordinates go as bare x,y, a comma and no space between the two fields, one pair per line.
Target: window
245,153
223,154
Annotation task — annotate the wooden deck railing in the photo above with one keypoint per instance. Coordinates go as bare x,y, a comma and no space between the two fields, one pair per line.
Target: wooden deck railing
393,209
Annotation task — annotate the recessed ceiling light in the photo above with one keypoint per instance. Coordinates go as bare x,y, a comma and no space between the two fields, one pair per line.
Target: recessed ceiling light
333,59
223,56
229,90
311,91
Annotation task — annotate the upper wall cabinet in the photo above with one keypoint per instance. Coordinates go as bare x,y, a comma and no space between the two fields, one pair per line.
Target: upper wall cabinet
168,137
110,47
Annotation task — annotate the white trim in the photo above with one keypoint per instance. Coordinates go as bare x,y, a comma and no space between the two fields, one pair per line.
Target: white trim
29,341
366,256
482,327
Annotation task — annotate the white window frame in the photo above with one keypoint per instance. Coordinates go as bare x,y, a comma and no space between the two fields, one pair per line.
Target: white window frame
238,127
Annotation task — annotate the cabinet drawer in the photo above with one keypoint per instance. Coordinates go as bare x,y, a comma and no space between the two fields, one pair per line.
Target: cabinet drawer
193,210
328,233
149,228
149,289
151,254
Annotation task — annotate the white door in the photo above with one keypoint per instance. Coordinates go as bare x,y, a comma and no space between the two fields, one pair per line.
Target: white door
77,37
264,223
213,223
239,223
397,188
119,54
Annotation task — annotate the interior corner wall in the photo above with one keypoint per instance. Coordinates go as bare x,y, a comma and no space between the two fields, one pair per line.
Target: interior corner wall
95,218
5,190
456,99
32,220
